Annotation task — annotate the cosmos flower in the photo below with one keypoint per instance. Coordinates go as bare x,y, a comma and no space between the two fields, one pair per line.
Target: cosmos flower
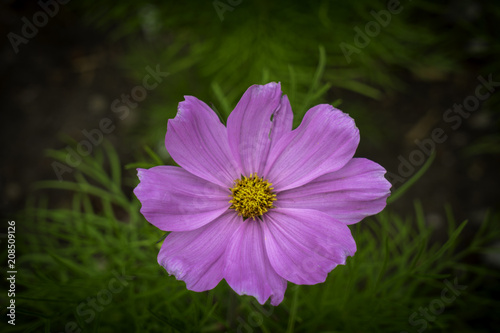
257,203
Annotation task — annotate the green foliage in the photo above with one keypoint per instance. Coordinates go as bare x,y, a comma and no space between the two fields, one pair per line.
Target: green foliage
78,248
93,240
258,42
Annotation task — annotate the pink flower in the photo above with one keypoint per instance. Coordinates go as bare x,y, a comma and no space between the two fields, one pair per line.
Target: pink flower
257,203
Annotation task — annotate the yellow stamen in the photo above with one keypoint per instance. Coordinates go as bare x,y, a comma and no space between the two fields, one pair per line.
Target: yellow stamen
252,196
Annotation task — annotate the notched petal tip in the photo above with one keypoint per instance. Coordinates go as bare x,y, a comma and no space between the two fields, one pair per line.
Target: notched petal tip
303,246
248,270
197,257
249,125
172,199
140,174
197,140
324,142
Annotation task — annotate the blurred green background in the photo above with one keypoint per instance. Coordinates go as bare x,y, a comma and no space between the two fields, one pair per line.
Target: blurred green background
86,258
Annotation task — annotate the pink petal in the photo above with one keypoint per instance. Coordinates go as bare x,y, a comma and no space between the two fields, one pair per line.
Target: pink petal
250,129
175,200
324,142
350,194
197,257
303,245
247,268
197,141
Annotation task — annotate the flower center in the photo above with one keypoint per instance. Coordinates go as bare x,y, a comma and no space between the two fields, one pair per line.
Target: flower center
252,196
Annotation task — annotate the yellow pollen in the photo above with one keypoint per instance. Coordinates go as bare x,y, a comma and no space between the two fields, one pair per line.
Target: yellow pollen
252,196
